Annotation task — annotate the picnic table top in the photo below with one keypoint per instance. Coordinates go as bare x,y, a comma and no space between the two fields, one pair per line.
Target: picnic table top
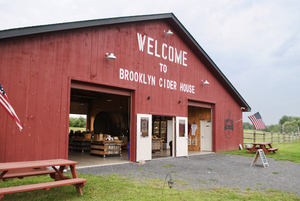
35,164
261,143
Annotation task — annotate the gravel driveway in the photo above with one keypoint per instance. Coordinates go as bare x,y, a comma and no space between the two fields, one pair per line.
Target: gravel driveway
213,170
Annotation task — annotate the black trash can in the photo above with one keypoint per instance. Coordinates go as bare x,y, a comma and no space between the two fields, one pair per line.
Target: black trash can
171,144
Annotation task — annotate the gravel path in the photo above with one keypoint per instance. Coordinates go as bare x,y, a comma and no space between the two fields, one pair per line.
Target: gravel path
213,170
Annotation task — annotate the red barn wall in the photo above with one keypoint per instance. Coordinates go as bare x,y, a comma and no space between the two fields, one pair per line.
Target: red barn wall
36,73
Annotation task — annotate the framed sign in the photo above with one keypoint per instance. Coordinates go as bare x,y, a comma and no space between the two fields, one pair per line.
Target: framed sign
262,156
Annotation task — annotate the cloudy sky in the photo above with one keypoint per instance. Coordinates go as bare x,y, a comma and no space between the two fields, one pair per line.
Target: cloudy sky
255,43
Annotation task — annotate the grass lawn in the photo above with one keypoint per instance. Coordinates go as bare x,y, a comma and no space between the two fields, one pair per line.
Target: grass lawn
286,152
77,128
118,187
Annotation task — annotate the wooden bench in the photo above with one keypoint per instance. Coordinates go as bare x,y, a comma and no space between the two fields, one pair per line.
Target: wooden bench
21,175
78,182
272,149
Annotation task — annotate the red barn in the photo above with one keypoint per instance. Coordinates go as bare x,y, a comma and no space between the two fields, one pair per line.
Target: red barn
140,78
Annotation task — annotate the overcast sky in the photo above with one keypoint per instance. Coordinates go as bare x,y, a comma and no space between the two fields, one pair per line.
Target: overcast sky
255,43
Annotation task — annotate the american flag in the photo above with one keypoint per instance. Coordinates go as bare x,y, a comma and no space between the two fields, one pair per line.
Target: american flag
257,121
6,105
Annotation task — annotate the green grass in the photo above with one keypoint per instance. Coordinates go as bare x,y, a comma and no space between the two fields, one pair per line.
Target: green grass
285,152
76,129
169,165
116,187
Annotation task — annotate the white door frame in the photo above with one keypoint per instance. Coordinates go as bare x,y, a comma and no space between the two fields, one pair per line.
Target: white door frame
181,136
144,137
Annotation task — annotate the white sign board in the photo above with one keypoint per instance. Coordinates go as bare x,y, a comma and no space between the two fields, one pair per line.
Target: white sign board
262,156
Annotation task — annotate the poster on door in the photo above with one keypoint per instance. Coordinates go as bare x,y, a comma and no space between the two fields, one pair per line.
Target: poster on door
144,127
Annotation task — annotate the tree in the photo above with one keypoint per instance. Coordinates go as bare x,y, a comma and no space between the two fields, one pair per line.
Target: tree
247,125
77,122
285,119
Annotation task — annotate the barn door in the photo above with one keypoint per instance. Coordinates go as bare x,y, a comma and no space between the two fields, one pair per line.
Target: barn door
206,136
181,136
144,137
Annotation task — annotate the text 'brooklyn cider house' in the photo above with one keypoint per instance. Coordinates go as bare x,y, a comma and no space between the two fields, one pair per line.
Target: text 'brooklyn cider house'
167,52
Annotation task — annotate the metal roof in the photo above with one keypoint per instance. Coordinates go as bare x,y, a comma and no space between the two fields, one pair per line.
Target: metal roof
169,18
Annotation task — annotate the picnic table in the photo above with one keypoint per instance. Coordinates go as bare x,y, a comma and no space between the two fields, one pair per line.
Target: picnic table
263,146
8,170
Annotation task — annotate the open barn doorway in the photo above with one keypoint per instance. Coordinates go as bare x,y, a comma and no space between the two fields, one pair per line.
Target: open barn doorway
107,117
162,136
199,130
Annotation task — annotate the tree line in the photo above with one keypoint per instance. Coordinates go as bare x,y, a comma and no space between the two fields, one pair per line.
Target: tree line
78,122
288,124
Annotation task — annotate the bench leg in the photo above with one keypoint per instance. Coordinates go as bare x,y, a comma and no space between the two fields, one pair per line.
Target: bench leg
79,190
1,197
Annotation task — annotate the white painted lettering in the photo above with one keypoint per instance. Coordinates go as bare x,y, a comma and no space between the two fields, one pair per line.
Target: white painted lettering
184,58
153,80
141,41
136,77
167,52
177,57
160,82
149,46
157,55
187,88
171,53
163,51
121,74
131,76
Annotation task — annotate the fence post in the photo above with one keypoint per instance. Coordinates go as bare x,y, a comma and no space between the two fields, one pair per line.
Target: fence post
283,137
289,138
264,136
272,136
254,136
278,135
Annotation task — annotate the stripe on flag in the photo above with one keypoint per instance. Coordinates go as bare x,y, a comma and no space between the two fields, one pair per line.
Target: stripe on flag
257,121
6,105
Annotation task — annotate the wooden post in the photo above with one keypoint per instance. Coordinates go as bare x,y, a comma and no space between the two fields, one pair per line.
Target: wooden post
272,136
254,136
278,138
264,136
283,137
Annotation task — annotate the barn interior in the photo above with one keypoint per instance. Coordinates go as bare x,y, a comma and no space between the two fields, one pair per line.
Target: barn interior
108,115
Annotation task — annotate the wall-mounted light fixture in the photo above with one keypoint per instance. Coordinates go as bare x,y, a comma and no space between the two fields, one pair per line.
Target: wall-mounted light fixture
109,100
111,56
120,107
205,82
242,108
179,102
149,97
169,33
81,103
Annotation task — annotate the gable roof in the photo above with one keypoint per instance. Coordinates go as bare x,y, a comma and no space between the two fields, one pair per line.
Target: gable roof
169,18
